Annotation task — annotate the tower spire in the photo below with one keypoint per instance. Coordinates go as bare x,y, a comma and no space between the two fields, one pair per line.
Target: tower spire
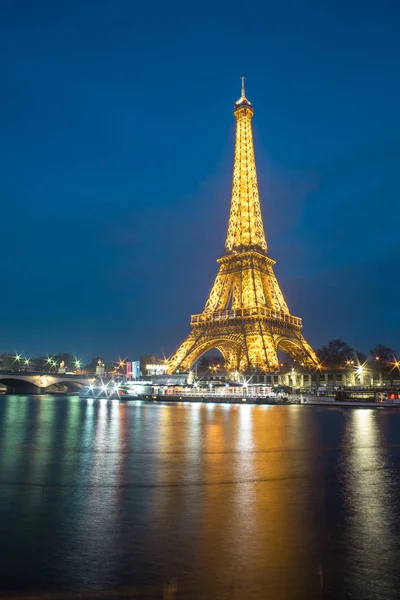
245,227
243,90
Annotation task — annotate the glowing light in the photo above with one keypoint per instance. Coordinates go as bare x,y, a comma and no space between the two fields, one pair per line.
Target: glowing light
157,368
233,311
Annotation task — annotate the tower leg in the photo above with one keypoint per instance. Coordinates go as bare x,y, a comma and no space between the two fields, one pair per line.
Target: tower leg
180,358
232,361
260,353
298,348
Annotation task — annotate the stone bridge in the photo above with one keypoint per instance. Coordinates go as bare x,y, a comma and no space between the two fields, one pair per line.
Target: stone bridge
26,382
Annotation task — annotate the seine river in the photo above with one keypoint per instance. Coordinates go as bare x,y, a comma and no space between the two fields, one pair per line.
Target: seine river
108,500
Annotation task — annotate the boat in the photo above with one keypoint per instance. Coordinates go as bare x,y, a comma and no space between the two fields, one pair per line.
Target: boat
100,389
355,398
135,389
116,390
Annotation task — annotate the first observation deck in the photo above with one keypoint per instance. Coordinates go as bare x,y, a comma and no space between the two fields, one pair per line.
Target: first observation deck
246,313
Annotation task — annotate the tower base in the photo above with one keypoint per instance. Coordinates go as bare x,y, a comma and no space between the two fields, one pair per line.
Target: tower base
247,345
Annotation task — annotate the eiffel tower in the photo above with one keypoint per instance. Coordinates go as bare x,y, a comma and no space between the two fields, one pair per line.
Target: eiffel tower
245,317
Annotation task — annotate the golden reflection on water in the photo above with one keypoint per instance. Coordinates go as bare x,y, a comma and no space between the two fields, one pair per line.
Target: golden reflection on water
369,523
252,509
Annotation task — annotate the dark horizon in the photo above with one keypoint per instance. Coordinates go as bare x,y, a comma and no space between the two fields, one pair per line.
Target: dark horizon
117,152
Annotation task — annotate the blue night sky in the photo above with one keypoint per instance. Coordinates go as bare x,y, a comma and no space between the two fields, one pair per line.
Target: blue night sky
116,152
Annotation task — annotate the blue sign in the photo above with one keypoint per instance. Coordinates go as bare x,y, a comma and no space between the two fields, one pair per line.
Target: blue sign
136,369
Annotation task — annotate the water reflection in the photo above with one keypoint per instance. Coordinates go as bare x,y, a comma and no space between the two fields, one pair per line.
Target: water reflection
234,501
13,422
370,516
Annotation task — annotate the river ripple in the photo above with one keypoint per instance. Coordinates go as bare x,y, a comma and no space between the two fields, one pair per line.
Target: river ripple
254,502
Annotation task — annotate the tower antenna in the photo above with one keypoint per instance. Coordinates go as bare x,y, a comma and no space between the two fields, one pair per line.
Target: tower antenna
243,91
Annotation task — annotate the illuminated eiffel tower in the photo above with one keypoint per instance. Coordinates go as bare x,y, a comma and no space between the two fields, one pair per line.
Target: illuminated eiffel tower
245,317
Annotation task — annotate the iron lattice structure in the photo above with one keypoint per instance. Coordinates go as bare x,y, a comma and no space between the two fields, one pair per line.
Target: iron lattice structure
245,317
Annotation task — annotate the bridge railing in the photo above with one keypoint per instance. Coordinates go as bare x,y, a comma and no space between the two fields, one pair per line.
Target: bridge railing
22,372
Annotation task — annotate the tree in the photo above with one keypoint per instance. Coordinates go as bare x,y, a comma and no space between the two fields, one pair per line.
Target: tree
335,352
210,363
383,353
360,357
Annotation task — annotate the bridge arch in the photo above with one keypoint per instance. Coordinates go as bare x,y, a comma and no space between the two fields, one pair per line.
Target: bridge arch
39,382
19,385
71,385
